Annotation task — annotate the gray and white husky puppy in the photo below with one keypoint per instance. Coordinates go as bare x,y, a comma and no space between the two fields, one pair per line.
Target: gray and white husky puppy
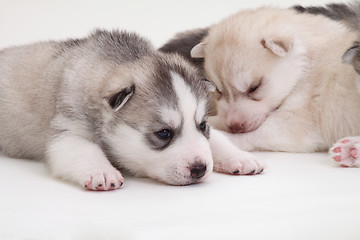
109,101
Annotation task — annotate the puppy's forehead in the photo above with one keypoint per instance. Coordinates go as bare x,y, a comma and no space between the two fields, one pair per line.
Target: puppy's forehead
172,117
188,108
166,88
179,83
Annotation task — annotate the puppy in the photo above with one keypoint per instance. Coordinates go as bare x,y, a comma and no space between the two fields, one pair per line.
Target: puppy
280,80
109,101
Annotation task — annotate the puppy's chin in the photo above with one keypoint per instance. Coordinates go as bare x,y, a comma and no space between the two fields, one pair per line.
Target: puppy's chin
181,176
183,181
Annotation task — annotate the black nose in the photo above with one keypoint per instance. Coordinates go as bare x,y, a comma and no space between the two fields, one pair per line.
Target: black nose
197,170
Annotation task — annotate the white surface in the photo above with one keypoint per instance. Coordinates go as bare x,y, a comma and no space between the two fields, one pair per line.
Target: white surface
299,196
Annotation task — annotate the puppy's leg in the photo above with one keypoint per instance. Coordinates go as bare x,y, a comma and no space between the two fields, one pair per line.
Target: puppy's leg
346,152
78,160
230,159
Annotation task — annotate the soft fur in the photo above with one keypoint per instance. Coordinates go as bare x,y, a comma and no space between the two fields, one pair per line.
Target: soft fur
109,101
183,42
282,83
347,13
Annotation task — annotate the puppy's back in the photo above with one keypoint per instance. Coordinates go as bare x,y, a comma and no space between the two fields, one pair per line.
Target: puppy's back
27,92
35,79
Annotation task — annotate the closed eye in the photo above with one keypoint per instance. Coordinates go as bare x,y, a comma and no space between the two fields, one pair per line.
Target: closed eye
253,88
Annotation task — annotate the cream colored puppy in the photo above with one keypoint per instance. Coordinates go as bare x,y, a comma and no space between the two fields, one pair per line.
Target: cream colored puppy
281,81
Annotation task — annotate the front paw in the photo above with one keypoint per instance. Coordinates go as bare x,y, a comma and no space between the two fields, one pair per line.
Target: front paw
346,152
238,163
102,180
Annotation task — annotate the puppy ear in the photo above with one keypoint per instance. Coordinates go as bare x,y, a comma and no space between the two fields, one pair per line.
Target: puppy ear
198,51
349,55
119,99
278,47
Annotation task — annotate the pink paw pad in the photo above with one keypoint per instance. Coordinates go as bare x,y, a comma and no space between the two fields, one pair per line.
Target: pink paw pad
337,150
346,152
354,153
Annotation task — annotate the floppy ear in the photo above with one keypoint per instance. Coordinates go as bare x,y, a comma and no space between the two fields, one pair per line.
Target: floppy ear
119,99
349,55
198,51
278,47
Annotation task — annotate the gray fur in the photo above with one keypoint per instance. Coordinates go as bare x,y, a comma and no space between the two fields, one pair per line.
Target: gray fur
348,13
183,42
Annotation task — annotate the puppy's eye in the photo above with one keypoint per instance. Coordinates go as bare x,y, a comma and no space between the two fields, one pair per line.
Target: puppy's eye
254,88
164,134
202,126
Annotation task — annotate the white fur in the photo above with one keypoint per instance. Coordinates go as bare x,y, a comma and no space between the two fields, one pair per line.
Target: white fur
171,117
230,159
78,160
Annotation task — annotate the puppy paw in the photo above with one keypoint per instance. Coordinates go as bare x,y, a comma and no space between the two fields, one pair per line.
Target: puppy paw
103,180
346,152
239,163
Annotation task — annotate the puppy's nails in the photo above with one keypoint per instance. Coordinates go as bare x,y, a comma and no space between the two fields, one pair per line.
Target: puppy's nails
261,170
87,184
121,184
236,172
112,185
252,172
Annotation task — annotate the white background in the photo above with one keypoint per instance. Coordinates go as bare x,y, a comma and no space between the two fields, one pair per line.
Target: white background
23,21
299,196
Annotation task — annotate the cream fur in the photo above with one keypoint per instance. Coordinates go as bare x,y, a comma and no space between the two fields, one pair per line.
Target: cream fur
307,98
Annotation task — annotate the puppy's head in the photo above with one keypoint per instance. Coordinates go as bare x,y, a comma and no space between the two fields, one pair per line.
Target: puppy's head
155,118
254,61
